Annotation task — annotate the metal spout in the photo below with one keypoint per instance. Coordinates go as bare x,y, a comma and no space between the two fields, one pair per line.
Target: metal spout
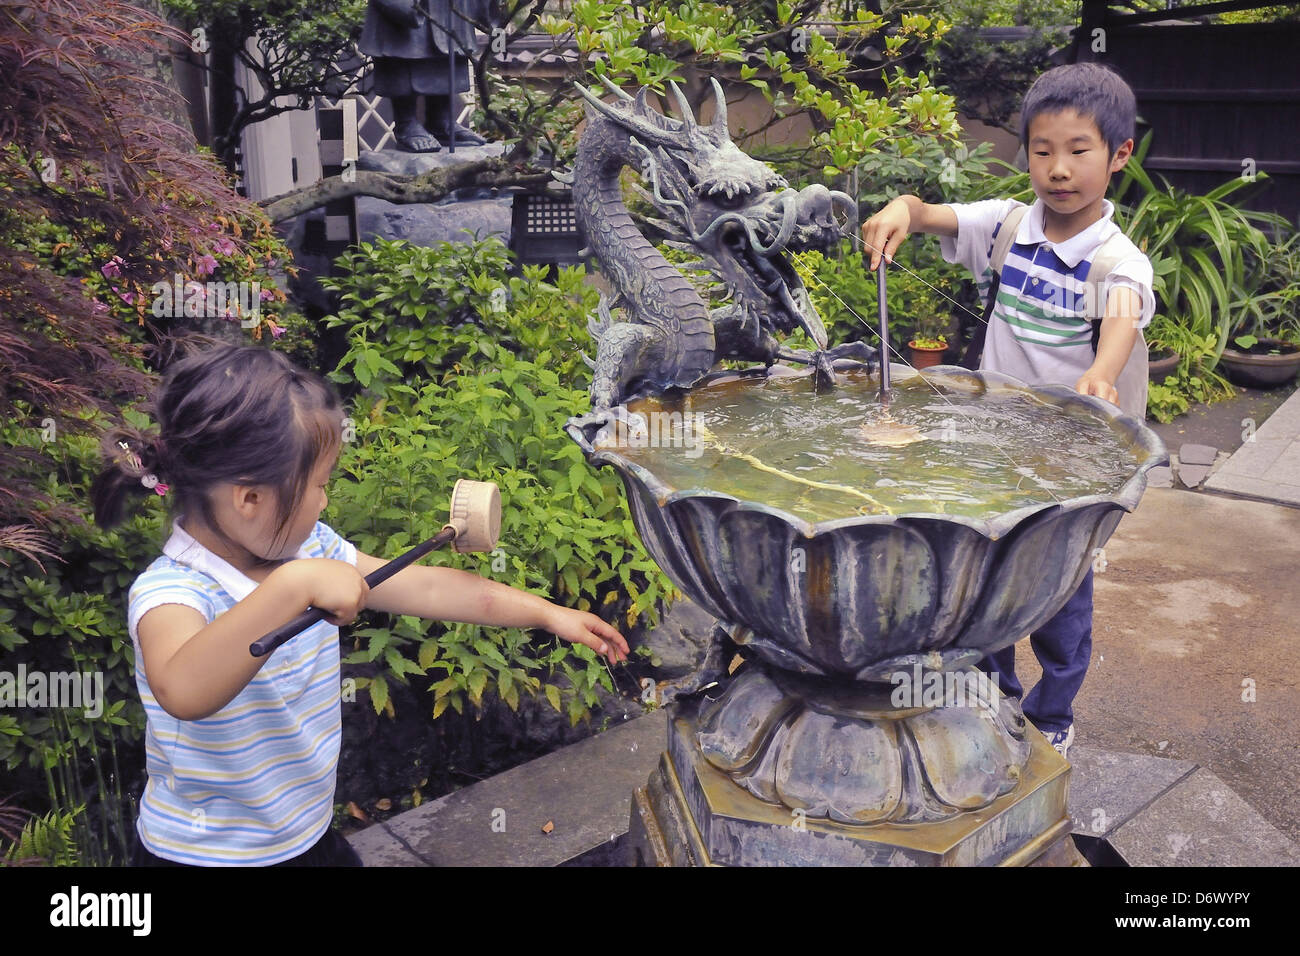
884,330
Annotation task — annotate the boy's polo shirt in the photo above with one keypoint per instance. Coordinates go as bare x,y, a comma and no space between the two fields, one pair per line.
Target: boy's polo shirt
1040,329
253,784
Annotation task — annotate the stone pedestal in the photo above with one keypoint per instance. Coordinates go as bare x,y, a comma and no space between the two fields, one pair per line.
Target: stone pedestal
692,814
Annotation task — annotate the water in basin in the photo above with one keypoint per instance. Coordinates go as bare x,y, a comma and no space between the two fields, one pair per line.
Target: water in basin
777,442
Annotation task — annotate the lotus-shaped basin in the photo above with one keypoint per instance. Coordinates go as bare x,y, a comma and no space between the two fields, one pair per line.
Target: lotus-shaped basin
856,597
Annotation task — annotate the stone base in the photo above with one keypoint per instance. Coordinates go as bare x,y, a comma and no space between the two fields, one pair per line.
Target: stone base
691,814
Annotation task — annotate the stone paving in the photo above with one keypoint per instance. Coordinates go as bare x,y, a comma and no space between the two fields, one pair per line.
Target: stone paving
1267,467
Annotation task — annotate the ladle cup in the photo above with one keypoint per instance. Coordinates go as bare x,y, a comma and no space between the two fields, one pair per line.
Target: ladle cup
474,526
885,431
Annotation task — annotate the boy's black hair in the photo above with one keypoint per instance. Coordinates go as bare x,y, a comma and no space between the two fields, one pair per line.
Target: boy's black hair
1094,91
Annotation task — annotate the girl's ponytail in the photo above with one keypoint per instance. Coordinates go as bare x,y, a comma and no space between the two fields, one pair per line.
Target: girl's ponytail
136,468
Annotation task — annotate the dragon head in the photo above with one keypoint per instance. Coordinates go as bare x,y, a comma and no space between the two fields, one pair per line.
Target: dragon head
735,212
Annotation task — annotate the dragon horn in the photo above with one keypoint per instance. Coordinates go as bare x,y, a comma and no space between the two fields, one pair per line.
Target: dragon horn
641,106
613,88
634,125
720,114
684,108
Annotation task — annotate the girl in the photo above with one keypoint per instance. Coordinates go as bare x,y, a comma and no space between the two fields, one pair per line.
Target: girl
241,752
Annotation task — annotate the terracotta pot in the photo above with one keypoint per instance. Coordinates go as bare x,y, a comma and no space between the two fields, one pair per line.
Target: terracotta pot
1257,369
927,356
1158,368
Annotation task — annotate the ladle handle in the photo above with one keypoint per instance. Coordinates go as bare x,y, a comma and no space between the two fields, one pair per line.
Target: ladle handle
474,526
884,329
310,616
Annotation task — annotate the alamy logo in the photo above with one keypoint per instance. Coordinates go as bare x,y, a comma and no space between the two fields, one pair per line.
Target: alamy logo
930,688
208,300
75,908
54,689
655,430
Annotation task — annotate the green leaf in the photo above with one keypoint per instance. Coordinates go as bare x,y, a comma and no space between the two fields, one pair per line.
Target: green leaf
477,681
378,693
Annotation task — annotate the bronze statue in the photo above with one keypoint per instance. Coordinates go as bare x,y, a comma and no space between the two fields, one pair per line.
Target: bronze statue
419,47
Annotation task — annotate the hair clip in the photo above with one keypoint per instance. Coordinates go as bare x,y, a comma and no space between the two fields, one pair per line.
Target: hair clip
150,480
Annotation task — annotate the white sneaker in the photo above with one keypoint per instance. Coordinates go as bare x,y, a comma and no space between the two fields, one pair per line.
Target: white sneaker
1061,740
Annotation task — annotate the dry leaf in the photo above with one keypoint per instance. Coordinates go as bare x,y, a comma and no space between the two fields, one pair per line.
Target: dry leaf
383,803
549,827
357,812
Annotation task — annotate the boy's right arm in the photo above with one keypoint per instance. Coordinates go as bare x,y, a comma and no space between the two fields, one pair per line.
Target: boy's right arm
195,668
886,230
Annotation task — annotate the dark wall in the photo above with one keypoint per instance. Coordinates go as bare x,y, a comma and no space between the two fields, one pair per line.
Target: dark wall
1215,96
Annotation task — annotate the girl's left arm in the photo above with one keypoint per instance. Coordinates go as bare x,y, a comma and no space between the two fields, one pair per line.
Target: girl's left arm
448,594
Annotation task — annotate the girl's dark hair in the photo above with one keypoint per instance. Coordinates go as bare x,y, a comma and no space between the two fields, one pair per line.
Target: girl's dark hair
244,415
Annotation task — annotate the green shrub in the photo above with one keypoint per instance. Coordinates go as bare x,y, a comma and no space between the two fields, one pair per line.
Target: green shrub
424,311
71,617
494,370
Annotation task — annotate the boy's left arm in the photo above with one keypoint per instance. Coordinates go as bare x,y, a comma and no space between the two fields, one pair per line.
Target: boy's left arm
449,594
1119,329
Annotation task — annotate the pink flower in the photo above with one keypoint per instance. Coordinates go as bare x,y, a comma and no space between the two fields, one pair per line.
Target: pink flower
266,295
205,265
112,268
98,307
276,331
223,246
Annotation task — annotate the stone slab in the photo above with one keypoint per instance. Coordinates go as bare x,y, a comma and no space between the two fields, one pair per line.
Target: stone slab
1268,466
1192,475
1162,476
1193,454
1260,489
378,847
584,790
1108,788
425,224
1200,822
1286,467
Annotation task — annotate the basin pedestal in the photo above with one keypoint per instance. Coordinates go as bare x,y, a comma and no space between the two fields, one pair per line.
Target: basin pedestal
691,813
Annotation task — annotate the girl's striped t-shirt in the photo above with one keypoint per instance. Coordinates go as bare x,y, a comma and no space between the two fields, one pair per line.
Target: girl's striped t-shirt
1040,330
252,784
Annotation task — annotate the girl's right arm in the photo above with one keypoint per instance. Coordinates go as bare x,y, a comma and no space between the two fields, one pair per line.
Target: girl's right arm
886,230
195,668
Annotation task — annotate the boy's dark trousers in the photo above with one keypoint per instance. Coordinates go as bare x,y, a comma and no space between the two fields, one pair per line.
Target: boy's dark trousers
1063,646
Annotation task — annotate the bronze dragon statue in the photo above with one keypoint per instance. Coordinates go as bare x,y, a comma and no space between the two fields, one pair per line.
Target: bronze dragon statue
718,203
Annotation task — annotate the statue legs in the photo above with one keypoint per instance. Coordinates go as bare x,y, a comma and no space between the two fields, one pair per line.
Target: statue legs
409,132
442,113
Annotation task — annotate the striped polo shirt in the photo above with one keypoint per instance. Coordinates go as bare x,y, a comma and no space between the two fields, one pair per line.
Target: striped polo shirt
1040,330
253,784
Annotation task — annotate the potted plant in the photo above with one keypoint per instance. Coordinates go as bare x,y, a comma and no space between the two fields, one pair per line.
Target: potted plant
1162,334
929,343
1265,349
1261,363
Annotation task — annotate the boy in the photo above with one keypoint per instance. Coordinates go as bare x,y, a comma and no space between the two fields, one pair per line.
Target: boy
1077,126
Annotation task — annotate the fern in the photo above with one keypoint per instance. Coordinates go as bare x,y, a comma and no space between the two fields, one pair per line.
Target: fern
46,841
